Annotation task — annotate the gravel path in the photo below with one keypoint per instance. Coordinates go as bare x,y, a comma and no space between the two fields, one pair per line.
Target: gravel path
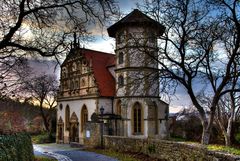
63,152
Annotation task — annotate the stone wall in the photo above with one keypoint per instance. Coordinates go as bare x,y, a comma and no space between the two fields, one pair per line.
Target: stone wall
92,134
166,150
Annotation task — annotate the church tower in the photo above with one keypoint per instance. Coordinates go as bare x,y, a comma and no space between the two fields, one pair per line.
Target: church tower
137,76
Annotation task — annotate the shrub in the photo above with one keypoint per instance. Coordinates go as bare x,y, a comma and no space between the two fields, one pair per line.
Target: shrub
16,147
43,138
237,137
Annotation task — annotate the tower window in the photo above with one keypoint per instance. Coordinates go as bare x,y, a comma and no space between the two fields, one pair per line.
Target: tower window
120,37
137,119
120,81
120,58
118,108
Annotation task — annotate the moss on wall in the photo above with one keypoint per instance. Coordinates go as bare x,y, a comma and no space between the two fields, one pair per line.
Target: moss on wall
16,147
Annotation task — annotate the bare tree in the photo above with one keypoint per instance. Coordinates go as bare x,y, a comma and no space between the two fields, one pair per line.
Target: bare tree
43,88
198,50
43,26
228,110
13,71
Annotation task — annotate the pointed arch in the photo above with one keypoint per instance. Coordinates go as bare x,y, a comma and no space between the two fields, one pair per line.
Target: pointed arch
60,129
74,128
84,116
118,108
137,119
120,81
120,58
67,117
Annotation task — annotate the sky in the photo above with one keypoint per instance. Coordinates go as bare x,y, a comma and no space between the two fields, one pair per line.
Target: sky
103,42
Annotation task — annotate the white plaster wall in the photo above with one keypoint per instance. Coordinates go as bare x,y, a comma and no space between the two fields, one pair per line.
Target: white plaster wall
136,80
106,104
76,106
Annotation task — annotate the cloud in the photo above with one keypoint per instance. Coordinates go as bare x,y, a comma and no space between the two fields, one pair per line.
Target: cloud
107,45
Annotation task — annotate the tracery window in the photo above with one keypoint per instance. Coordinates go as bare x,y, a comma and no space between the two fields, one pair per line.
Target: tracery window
84,116
137,119
67,117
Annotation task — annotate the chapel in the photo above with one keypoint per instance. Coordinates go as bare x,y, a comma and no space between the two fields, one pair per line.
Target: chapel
123,88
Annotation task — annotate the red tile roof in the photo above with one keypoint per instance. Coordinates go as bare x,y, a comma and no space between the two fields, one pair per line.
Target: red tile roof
100,63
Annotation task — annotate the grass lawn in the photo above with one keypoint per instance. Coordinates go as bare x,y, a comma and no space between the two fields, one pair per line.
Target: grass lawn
37,158
222,148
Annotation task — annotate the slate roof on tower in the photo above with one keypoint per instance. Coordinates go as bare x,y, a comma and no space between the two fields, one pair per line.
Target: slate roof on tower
135,18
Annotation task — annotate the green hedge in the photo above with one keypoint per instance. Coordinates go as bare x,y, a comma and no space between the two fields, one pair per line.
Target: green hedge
16,147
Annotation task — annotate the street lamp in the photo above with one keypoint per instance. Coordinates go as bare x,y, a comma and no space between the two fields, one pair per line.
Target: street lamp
101,111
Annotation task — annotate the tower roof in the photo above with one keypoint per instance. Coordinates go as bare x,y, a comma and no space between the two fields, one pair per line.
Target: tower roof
135,18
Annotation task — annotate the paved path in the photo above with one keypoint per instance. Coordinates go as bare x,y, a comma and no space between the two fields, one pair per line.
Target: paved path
63,152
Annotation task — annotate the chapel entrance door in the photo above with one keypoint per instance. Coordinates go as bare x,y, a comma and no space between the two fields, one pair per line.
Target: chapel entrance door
74,128
60,130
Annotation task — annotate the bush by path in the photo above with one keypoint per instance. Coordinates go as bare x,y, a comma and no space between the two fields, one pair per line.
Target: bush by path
16,147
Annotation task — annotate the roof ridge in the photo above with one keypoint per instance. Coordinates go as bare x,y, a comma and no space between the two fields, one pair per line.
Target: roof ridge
97,51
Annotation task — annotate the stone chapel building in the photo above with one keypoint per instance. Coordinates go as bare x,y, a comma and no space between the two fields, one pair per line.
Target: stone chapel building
125,84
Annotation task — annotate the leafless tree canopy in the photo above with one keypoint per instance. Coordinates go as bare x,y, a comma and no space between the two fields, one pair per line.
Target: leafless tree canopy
199,49
42,88
50,21
44,27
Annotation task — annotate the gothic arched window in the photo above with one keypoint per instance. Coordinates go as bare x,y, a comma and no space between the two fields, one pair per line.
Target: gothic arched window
137,119
84,116
120,58
118,108
120,81
67,117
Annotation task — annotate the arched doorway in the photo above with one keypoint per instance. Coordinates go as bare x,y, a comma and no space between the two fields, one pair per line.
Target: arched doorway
60,135
84,116
137,119
73,134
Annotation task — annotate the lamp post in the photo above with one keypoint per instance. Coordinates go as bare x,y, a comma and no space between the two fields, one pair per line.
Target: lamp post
101,111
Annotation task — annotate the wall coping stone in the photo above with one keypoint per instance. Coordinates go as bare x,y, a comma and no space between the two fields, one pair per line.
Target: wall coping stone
198,148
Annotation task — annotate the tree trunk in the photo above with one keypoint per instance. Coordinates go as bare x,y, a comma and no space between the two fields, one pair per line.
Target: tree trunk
44,117
206,132
205,136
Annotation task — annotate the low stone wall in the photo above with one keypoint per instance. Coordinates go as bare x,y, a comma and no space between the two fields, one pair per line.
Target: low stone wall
166,150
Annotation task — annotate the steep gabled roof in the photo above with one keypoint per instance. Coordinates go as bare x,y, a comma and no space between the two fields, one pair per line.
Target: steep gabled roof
135,18
100,63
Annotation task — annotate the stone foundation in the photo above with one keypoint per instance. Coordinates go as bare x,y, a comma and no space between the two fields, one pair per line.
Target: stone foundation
166,150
